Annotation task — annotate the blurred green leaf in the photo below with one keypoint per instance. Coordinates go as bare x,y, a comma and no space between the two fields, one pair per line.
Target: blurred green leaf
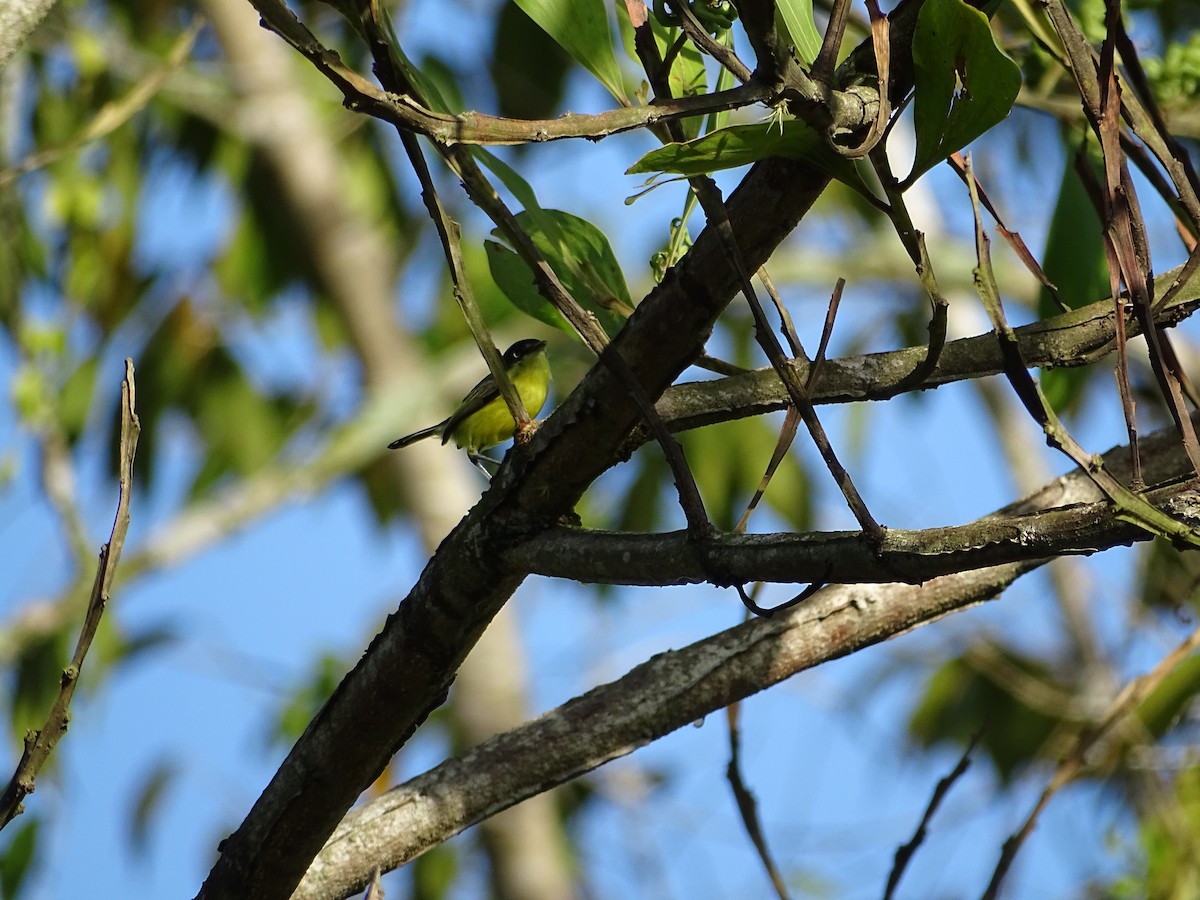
1169,579
267,252
963,83
1075,263
187,368
324,677
433,873
35,679
18,856
528,67
728,462
581,28
75,398
148,799
641,505
961,700
1171,698
1168,835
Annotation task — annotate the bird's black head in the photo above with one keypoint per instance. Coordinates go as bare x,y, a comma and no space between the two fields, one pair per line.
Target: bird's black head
522,349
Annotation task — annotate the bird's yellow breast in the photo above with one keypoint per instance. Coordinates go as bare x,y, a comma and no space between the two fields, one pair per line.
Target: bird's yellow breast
494,424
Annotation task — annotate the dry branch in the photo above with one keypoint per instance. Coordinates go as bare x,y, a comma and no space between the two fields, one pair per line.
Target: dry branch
41,743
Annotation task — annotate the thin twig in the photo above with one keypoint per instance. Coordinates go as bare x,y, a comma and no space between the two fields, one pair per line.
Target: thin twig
702,39
1014,239
905,852
405,109
914,243
39,744
714,207
1100,94
835,300
747,805
451,238
787,434
823,66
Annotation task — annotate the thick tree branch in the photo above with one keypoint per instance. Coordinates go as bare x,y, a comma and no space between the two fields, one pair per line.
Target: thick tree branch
410,665
842,557
666,693
669,691
1076,338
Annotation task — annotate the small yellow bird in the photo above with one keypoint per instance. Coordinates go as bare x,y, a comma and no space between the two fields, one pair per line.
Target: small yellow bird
482,419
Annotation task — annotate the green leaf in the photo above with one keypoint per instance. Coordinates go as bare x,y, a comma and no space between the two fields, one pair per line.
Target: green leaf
741,145
148,801
581,28
963,697
515,279
1171,698
963,83
75,398
527,67
580,255
18,856
797,18
509,177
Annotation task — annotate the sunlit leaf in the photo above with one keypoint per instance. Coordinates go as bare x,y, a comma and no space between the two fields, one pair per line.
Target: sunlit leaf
581,28
580,255
741,145
963,83
797,18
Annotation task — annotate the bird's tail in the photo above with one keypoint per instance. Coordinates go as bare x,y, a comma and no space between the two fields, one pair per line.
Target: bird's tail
417,436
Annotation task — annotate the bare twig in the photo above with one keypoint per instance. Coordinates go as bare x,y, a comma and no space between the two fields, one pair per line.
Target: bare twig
904,853
1014,239
39,744
701,38
451,239
1100,94
831,43
787,434
714,207
914,244
835,300
746,804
